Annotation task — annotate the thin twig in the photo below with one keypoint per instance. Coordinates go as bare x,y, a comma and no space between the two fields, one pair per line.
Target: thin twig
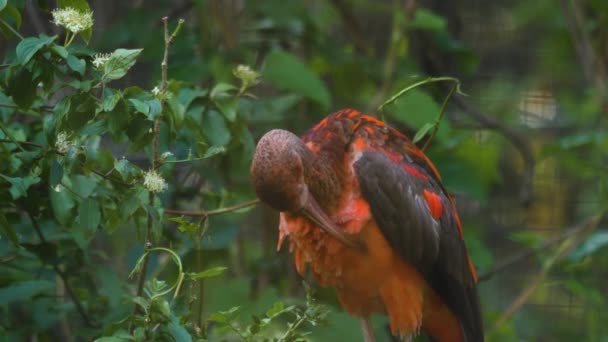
207,213
62,275
564,249
444,105
155,157
416,85
24,143
15,32
10,136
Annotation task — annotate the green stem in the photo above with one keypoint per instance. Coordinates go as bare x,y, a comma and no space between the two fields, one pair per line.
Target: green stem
180,277
440,116
10,136
70,41
15,32
418,84
293,328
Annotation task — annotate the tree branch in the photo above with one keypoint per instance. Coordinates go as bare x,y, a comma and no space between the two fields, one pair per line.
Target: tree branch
511,134
155,157
208,213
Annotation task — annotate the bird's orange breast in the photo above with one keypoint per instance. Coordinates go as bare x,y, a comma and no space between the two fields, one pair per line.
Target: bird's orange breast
375,280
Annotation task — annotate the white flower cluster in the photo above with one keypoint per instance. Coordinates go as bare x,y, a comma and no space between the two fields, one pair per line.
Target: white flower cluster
73,20
154,182
62,143
100,59
247,76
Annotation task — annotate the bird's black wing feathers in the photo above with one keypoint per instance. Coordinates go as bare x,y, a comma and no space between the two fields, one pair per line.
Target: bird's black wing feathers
433,246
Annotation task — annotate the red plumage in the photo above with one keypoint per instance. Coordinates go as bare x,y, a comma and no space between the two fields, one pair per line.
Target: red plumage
367,210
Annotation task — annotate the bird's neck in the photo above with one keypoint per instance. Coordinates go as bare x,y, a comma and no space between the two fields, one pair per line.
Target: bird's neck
325,178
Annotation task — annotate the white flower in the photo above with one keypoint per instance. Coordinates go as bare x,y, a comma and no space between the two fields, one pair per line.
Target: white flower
156,91
62,143
248,76
100,59
154,182
73,20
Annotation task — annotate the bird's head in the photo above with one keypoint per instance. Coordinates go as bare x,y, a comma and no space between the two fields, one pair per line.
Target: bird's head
278,170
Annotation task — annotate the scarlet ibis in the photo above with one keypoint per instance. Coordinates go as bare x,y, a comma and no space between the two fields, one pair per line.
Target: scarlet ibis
367,210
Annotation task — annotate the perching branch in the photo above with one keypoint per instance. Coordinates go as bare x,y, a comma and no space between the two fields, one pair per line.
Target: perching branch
207,213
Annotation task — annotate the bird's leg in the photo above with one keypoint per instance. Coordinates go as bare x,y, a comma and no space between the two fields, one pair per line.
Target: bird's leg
367,329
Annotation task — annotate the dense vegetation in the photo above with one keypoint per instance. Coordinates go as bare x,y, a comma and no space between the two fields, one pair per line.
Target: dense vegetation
126,134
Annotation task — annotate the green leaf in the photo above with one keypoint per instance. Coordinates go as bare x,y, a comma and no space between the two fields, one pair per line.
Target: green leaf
213,150
228,107
19,185
83,185
27,48
212,272
8,231
24,290
223,316
221,89
62,203
119,63
2,4
185,226
423,131
594,242
276,309
126,170
286,71
215,128
179,333
22,88
81,110
110,99
77,64
56,173
60,51
427,20
89,213
140,106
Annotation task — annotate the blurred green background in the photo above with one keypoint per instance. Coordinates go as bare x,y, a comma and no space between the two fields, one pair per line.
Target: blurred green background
524,153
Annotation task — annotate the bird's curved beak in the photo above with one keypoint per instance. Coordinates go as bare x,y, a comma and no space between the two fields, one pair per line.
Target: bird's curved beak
313,212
